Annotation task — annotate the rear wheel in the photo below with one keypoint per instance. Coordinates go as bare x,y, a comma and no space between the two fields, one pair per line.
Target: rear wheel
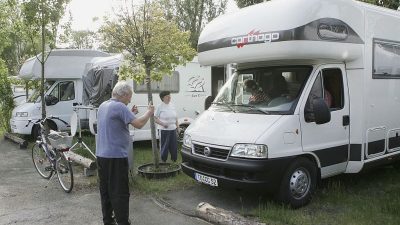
64,173
41,161
298,183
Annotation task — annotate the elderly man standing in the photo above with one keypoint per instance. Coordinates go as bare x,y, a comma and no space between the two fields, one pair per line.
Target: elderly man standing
112,146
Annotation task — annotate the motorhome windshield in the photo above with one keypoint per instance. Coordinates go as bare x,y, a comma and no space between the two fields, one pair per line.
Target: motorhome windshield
35,97
268,90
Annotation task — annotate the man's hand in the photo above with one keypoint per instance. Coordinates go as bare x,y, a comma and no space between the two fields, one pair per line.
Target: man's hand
151,108
135,109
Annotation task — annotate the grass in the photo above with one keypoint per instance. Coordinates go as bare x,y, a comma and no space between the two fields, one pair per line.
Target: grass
142,154
367,198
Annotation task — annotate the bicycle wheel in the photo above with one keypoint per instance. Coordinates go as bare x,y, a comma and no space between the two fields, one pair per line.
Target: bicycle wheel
64,173
41,162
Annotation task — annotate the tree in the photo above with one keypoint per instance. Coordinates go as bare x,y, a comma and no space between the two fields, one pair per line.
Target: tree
42,17
391,4
18,47
6,98
192,15
82,39
154,46
245,3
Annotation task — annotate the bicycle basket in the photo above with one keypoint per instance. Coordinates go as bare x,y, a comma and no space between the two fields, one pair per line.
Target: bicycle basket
60,140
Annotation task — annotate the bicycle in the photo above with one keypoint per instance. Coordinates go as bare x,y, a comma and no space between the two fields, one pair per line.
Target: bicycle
50,155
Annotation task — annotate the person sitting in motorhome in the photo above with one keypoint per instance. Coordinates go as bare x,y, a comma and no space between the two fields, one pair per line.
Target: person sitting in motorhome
278,87
257,94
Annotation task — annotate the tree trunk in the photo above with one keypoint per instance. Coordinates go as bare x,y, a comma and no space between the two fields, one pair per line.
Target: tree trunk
85,162
42,77
152,124
221,216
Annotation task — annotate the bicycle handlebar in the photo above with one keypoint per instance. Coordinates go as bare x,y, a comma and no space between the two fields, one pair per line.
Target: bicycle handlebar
41,121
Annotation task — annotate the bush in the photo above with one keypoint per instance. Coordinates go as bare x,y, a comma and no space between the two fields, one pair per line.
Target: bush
6,98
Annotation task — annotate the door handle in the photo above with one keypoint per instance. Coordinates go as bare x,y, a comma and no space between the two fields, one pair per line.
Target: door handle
346,120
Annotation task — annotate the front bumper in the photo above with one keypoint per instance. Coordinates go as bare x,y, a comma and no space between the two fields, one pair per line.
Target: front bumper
19,126
237,172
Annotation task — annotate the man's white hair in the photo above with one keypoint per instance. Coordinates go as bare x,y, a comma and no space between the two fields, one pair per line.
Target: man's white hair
121,89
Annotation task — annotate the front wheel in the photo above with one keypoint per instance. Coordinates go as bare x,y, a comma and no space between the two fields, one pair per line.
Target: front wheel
64,173
41,161
298,183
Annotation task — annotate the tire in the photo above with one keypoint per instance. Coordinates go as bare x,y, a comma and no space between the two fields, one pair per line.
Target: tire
64,173
298,183
182,129
35,132
52,125
41,161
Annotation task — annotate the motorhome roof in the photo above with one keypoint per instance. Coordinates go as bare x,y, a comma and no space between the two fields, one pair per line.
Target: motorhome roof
61,64
287,29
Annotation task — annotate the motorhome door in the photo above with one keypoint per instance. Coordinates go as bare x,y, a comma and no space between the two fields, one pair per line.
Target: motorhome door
329,142
64,95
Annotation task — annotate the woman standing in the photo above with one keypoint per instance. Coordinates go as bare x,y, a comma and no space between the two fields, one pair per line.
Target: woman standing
166,118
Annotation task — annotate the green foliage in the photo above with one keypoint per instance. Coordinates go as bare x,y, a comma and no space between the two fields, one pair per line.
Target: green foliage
192,15
150,41
245,3
82,39
6,98
17,48
391,4
43,13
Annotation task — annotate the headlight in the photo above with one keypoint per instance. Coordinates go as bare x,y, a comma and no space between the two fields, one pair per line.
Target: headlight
21,114
187,141
250,151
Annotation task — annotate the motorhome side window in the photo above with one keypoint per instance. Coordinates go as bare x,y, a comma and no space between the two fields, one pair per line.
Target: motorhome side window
168,83
386,59
67,91
328,85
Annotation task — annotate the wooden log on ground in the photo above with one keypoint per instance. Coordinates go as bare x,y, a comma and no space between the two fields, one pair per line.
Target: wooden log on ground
85,162
22,143
220,216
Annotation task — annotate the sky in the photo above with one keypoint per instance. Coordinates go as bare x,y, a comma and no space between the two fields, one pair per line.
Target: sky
83,12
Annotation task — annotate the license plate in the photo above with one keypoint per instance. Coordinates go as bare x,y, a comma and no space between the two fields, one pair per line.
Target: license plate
206,179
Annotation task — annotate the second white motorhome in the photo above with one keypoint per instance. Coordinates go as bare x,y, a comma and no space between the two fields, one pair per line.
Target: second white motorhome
330,70
64,70
86,77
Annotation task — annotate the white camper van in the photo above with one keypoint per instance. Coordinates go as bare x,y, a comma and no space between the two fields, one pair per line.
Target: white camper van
64,69
325,98
189,85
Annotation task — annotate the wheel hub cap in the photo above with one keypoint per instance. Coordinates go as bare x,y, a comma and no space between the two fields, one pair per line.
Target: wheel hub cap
299,183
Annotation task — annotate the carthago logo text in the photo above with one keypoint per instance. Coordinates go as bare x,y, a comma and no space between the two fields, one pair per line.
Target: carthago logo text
254,37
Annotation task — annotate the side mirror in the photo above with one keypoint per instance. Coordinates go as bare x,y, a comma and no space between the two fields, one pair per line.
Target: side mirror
50,100
321,111
208,101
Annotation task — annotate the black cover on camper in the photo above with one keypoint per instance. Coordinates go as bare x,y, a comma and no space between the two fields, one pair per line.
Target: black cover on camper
98,85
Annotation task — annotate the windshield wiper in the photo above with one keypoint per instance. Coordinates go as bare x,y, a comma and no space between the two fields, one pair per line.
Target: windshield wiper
252,107
229,106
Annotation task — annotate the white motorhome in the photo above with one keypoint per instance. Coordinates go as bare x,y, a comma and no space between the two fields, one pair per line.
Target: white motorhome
189,85
330,69
64,69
